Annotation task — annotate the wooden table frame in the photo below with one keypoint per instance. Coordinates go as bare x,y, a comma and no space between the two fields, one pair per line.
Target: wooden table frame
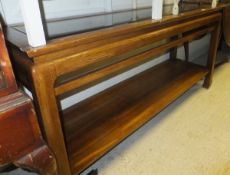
43,70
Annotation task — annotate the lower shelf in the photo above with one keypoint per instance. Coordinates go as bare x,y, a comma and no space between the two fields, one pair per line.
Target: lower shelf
99,123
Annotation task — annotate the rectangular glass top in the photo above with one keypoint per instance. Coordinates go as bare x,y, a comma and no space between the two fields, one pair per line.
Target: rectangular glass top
74,25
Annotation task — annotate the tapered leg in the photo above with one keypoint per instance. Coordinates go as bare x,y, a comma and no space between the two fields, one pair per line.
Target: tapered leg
173,51
40,160
47,107
186,49
212,56
43,77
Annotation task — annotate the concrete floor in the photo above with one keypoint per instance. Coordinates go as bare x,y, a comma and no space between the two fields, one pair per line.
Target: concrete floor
190,137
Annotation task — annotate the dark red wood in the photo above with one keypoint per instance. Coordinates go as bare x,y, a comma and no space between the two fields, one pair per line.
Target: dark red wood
21,142
40,160
19,133
7,80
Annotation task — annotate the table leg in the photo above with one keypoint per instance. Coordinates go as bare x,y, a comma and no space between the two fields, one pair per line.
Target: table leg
186,49
173,51
43,80
212,56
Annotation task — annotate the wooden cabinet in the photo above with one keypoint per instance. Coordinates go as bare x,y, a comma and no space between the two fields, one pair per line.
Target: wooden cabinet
75,59
21,142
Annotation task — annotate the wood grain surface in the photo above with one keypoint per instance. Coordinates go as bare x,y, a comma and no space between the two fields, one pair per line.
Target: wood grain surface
88,130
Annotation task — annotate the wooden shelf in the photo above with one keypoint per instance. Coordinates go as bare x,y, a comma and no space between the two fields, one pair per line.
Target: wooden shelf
99,123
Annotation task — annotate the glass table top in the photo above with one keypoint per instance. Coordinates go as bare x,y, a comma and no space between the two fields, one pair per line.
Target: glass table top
74,25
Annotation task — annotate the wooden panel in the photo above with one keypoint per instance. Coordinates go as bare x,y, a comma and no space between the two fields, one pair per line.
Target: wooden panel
19,133
92,76
118,111
100,55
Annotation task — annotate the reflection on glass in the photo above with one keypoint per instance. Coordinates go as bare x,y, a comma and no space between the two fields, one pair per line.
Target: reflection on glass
74,25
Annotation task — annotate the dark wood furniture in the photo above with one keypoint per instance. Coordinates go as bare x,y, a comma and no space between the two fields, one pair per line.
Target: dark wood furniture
68,64
21,142
7,80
